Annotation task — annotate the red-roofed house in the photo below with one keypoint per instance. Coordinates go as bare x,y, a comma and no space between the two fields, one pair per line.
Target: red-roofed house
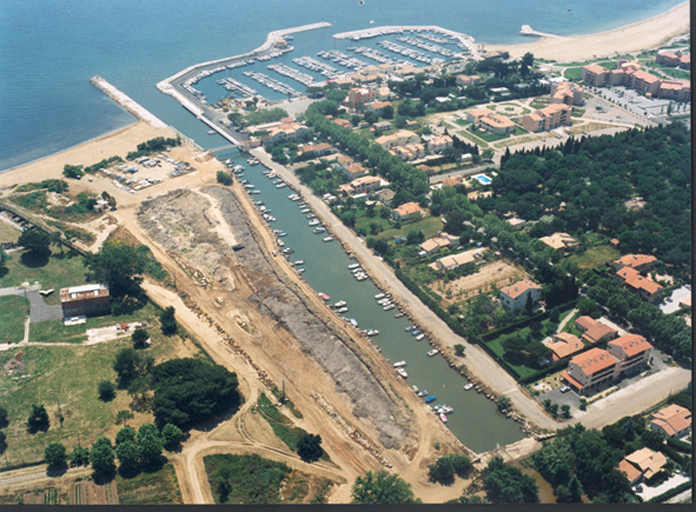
407,211
672,421
514,297
588,370
632,351
567,92
594,74
594,331
642,464
547,118
641,262
564,345
633,280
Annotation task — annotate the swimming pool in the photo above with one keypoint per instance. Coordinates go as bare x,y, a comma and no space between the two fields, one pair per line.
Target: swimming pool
483,179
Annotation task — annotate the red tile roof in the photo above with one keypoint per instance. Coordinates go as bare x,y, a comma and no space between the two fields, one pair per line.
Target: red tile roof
635,260
672,419
594,360
631,344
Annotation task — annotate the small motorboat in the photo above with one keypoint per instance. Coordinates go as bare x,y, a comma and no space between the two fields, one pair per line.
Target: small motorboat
433,352
422,393
468,386
399,364
402,372
443,418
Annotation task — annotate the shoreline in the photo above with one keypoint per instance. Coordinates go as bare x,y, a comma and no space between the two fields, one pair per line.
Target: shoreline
637,36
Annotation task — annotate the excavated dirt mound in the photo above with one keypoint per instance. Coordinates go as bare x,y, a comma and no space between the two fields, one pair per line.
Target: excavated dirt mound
178,222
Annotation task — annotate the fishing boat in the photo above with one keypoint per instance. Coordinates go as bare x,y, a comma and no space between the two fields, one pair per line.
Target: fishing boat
430,398
399,364
298,262
468,386
443,418
422,393
433,352
372,332
402,372
379,295
420,337
328,239
340,304
323,296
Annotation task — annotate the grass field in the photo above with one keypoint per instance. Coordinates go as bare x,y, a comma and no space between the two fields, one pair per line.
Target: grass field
488,137
596,256
8,233
430,226
12,319
53,272
253,480
158,488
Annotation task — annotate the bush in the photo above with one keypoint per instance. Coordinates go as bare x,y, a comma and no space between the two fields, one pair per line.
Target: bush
3,442
3,417
167,321
38,419
55,455
309,447
139,338
224,178
106,390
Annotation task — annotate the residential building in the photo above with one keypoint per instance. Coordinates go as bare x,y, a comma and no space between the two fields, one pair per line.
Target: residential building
385,196
516,223
437,243
359,96
677,90
633,280
547,118
640,262
399,138
384,93
474,116
643,82
594,331
363,185
590,369
408,152
350,168
560,241
343,123
407,211
642,465
466,80
88,300
377,106
382,126
438,144
594,75
672,421
666,58
632,351
454,261
565,344
568,93
322,148
285,130
514,297
497,124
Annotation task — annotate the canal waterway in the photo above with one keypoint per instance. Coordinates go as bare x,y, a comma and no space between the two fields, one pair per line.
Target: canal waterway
475,420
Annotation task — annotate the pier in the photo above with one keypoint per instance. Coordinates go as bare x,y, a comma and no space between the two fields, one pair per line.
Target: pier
526,30
127,102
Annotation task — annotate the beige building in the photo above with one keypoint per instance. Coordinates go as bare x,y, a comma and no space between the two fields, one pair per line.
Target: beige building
359,96
590,369
363,185
474,116
640,262
438,243
87,300
565,344
497,124
399,138
672,421
439,143
466,80
454,261
408,152
634,281
642,465
407,211
560,241
594,331
632,351
568,93
514,297
547,118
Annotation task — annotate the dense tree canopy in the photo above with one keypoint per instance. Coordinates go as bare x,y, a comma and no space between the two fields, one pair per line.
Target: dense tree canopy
38,419
382,488
55,454
309,447
188,391
507,484
35,240
118,266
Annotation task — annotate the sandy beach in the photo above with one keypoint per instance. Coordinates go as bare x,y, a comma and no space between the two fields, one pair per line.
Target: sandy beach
637,36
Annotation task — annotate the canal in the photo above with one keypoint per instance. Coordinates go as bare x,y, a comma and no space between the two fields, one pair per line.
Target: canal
475,420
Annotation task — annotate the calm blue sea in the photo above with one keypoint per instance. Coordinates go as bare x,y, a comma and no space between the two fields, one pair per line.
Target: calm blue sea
50,48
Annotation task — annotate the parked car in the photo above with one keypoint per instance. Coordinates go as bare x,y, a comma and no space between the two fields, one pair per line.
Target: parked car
565,389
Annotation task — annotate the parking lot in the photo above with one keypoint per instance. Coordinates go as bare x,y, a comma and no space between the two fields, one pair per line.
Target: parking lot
640,105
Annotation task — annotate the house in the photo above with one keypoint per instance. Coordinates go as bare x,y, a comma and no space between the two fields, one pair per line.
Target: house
565,344
453,261
547,118
632,351
363,185
640,262
437,243
594,331
399,138
514,297
516,223
672,421
382,126
88,300
377,107
590,369
407,211
350,168
316,149
385,196
285,130
568,93
497,124
642,465
467,80
408,152
384,93
634,281
343,123
474,116
560,241
359,96
439,143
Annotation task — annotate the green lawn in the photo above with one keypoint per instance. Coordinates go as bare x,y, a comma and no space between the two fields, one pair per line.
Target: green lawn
430,226
462,122
572,73
53,272
473,138
8,233
158,488
596,256
252,479
577,112
488,137
13,313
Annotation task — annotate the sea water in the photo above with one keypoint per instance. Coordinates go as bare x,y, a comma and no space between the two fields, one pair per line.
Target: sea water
50,48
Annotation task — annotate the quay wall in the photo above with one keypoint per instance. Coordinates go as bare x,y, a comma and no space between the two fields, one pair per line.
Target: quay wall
127,102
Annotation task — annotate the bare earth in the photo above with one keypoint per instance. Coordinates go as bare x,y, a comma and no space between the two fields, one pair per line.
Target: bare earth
638,36
496,273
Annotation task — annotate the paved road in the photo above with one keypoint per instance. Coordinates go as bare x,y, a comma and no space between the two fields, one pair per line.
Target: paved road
39,310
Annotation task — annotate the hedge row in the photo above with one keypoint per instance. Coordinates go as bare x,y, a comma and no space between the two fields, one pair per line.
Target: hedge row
671,493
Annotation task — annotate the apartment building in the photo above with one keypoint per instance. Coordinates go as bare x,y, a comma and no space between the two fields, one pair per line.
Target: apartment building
514,297
547,118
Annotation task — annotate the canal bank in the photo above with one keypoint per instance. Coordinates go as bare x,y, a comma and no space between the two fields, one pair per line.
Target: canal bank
475,420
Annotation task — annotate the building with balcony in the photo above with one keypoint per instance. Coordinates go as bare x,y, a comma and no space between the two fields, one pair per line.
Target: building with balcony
514,297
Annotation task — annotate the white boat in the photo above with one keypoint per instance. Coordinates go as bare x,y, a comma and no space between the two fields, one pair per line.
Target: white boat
288,250
298,262
399,364
343,310
446,409
410,328
300,270
281,185
388,307
280,243
373,332
433,352
443,418
328,239
379,295
314,222
402,372
423,393
353,322
468,386
319,230
354,265
420,337
340,304
361,277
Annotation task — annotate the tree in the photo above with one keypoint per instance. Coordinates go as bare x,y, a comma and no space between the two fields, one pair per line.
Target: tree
3,442
130,365
554,315
388,112
224,178
529,304
150,444
309,447
487,154
139,338
35,240
575,489
415,236
102,457
459,349
119,267
128,453
55,455
171,436
106,390
79,456
3,417
188,391
382,488
381,247
565,409
125,434
38,419
123,416
507,484
72,171
653,440
442,471
167,321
